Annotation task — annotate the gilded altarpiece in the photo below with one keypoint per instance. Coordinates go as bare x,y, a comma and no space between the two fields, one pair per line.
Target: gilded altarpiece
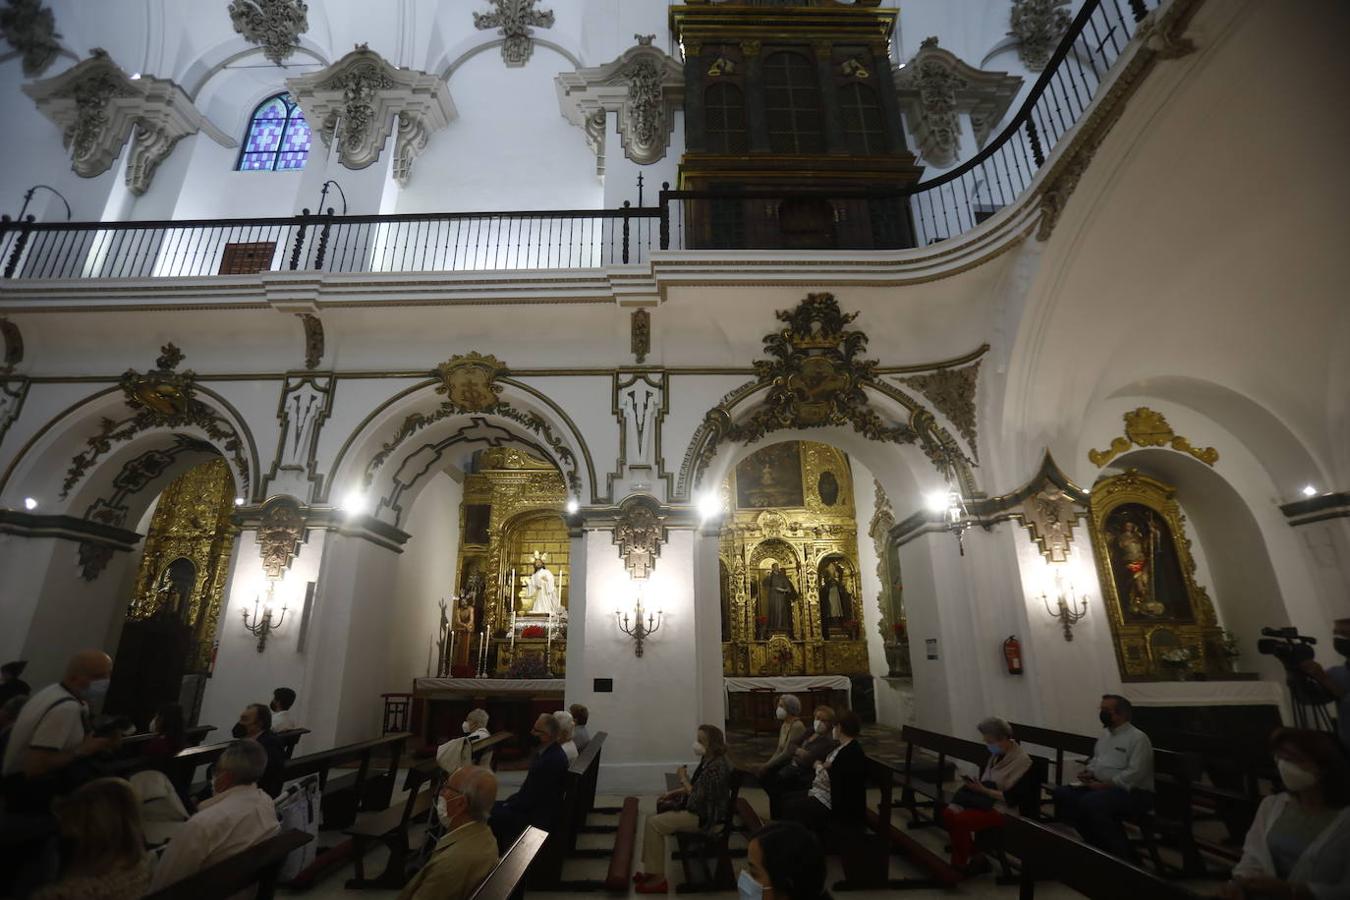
512,509
791,603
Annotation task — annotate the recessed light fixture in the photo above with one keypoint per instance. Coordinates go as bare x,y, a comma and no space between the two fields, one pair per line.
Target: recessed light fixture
572,505
29,503
709,506
1309,491
238,501
354,503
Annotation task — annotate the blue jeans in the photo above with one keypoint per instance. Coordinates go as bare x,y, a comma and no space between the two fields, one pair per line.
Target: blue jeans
1098,815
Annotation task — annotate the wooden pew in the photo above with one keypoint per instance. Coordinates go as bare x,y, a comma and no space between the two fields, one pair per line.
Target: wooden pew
574,806
132,744
507,879
289,738
625,843
345,796
1049,855
392,826
883,777
258,865
701,847
912,785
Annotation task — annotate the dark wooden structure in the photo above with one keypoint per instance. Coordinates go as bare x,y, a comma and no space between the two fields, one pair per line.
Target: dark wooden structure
258,865
508,879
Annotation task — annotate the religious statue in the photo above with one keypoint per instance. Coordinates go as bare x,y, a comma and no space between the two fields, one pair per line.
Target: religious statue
1134,552
464,621
443,645
836,603
540,593
777,596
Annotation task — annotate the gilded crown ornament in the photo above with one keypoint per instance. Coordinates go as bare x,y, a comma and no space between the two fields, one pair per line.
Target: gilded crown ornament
470,381
1149,428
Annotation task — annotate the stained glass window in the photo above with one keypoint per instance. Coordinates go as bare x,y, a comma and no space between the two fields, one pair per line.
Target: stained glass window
277,139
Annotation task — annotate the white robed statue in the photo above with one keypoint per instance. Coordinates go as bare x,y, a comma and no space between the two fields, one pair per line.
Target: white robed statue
542,590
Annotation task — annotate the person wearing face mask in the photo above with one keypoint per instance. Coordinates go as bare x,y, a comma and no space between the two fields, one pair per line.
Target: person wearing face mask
1117,782
237,816
979,804
467,852
801,771
537,801
838,794
1299,843
458,751
783,862
1336,680
705,806
255,724
790,735
50,745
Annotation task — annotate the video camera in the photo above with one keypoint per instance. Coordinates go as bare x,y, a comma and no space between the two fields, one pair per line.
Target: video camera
1292,650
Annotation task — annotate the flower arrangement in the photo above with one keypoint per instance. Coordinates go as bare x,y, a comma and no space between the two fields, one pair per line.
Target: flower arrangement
531,666
533,632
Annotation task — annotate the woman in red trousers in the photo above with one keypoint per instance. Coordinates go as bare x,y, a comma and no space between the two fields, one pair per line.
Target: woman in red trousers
979,805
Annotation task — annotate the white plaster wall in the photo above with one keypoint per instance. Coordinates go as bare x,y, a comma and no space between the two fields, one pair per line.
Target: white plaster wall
425,576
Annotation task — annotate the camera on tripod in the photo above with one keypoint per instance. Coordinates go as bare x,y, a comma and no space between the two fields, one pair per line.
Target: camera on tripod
1292,650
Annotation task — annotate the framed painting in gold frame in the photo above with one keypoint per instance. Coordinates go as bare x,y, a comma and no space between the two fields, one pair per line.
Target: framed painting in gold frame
1162,621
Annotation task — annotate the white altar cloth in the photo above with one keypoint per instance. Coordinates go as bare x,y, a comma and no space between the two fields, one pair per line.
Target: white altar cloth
1208,693
784,684
476,687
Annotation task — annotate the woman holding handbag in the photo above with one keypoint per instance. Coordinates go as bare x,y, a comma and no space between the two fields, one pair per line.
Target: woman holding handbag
979,805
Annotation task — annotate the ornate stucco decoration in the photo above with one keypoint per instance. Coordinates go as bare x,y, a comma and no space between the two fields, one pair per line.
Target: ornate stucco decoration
13,391
936,87
644,87
281,529
30,28
1148,428
12,341
515,20
1038,26
359,97
160,398
952,392
98,106
639,534
274,25
313,339
815,377
470,384
641,335
1049,515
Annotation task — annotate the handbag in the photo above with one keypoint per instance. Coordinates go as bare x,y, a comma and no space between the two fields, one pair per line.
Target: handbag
674,804
969,799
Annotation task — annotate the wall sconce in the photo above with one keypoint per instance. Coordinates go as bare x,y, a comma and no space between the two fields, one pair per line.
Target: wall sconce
1070,611
262,624
952,506
638,630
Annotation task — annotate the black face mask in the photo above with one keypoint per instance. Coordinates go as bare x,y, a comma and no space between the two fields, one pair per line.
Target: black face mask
238,732
1342,646
1105,718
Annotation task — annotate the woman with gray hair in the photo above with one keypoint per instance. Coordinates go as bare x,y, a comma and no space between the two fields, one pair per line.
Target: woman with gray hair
790,734
980,804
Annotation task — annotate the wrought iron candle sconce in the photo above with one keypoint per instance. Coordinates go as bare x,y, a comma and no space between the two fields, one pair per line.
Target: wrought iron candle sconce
262,624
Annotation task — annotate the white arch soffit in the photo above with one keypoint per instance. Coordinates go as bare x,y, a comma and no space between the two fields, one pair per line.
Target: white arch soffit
447,70
203,69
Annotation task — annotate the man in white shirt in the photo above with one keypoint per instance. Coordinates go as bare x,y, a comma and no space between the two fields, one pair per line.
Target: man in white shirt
1116,783
283,698
237,816
458,752
581,735
52,731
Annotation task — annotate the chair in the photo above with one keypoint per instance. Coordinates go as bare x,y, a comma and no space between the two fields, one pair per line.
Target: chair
715,844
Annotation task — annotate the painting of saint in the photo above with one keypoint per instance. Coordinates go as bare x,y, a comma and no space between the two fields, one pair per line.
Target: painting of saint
1145,566
770,477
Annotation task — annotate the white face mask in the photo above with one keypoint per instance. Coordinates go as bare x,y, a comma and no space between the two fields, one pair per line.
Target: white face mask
1295,777
97,689
781,714
748,887
441,812
821,727
698,749
465,727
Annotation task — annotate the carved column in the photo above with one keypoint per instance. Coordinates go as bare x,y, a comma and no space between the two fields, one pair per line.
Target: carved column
835,140
890,102
695,115
756,115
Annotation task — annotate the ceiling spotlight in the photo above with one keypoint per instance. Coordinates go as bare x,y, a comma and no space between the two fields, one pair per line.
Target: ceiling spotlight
1309,491
29,503
709,506
355,503
238,501
936,501
135,76
572,505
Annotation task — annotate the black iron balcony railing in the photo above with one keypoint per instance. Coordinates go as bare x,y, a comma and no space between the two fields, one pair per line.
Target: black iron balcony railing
930,211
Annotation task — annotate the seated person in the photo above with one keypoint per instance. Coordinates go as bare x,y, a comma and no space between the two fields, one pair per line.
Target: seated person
1299,843
458,751
790,735
536,803
798,774
237,816
980,804
1116,783
565,729
467,852
705,807
838,796
785,860
283,698
11,685
105,858
581,736
255,724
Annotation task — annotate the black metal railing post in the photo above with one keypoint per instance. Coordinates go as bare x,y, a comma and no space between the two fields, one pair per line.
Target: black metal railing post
626,206
663,201
1137,7
323,241
299,238
20,242
1034,136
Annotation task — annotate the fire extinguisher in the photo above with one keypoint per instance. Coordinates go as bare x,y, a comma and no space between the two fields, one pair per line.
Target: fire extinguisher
1012,655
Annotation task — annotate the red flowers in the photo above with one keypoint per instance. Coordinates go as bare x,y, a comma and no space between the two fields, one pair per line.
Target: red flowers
532,632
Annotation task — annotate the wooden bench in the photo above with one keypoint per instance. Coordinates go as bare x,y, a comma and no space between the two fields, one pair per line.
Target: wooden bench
573,807
258,865
289,738
1049,855
913,786
625,843
133,744
704,847
345,796
883,777
507,879
391,826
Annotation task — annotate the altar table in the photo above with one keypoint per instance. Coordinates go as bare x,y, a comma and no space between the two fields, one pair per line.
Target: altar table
485,687
760,715
512,704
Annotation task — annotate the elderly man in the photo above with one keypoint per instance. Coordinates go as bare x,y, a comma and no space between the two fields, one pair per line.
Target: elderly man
237,816
536,803
458,751
581,735
468,851
255,724
51,735
566,728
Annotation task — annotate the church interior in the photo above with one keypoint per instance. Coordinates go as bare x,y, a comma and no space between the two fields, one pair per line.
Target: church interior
895,413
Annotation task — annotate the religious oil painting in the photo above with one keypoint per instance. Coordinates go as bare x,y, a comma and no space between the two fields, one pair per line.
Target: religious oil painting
770,477
1157,611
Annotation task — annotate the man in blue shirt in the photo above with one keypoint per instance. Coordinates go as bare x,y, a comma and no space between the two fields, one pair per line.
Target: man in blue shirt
537,801
1117,782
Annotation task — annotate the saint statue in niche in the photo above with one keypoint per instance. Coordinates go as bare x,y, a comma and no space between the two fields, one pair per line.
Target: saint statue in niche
540,592
777,595
463,625
1145,566
836,603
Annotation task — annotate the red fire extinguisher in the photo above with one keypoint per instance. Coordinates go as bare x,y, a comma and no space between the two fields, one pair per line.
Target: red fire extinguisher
1012,655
